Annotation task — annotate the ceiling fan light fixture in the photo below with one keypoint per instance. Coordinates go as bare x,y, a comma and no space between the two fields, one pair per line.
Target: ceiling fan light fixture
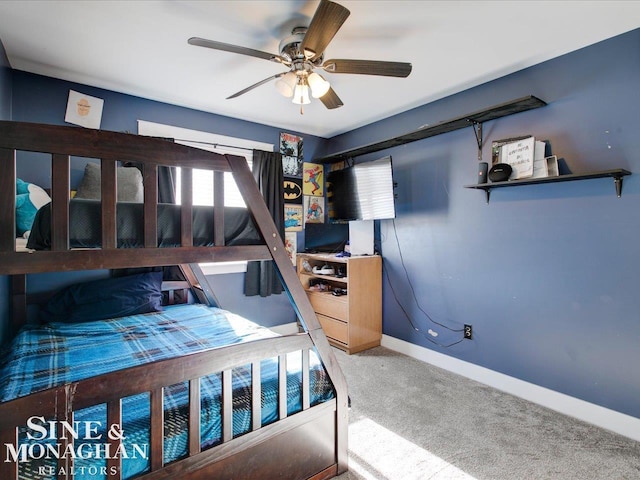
319,86
286,84
301,94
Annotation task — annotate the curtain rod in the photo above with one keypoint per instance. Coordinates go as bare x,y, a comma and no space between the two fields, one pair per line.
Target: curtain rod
214,144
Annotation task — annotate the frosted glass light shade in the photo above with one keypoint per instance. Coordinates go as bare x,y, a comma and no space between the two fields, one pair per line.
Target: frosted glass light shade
301,95
286,84
319,86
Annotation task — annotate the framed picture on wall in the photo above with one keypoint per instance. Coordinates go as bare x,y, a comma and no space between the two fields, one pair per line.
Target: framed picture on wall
291,245
313,179
291,148
292,166
84,110
313,209
292,190
292,217
291,145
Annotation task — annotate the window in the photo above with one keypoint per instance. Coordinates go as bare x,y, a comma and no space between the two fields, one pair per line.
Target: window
203,179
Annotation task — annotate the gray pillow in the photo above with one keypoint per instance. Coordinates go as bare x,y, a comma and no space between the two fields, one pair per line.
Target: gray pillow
129,182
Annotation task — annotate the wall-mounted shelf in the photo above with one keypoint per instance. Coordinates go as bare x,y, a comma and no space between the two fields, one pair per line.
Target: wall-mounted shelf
616,174
473,119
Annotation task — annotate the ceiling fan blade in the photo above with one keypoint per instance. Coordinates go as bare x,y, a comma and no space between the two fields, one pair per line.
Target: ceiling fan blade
227,47
261,82
368,67
325,23
331,100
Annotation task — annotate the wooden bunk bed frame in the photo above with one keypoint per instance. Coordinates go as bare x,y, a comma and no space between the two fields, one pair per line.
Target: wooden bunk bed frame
308,444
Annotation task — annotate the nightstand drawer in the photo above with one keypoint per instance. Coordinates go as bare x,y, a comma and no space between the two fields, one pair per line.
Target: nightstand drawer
329,305
334,328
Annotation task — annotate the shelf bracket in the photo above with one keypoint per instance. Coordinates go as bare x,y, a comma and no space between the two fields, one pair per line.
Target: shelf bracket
617,180
477,129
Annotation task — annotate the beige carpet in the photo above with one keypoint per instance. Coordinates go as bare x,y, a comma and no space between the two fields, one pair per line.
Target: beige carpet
410,420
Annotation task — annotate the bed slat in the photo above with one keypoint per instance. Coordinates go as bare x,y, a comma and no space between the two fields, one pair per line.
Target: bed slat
194,416
60,202
256,396
114,417
227,405
157,430
282,386
186,218
218,208
65,464
64,414
108,202
305,379
150,187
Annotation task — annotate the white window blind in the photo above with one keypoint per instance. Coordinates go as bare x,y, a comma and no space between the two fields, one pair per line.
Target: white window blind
203,179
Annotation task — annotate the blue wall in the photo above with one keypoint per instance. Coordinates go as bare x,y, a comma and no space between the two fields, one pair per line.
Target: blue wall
43,100
547,275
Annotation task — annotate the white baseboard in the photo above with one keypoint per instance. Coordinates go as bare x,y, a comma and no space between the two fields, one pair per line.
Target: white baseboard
588,412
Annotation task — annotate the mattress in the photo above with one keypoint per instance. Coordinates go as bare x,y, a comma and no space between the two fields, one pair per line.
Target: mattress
85,229
44,356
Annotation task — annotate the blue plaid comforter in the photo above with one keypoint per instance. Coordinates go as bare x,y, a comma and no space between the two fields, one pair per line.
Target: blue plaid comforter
45,356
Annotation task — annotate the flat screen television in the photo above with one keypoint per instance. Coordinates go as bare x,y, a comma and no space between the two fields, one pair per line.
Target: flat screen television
325,237
364,191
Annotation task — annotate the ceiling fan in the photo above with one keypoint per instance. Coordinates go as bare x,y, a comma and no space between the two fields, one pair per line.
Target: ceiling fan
303,51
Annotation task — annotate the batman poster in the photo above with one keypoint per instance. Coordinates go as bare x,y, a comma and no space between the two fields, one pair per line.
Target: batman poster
292,190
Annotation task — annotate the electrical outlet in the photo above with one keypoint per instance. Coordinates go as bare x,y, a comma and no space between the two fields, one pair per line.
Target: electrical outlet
468,331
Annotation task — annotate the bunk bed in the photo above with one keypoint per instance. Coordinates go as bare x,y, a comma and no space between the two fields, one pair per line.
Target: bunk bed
207,396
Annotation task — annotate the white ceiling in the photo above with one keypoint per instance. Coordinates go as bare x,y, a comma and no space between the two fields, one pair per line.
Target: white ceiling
140,48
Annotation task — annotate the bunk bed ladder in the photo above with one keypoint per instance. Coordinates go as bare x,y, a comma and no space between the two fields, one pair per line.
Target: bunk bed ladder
298,297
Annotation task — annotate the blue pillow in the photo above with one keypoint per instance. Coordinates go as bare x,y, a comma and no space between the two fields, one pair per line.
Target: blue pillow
107,298
29,198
